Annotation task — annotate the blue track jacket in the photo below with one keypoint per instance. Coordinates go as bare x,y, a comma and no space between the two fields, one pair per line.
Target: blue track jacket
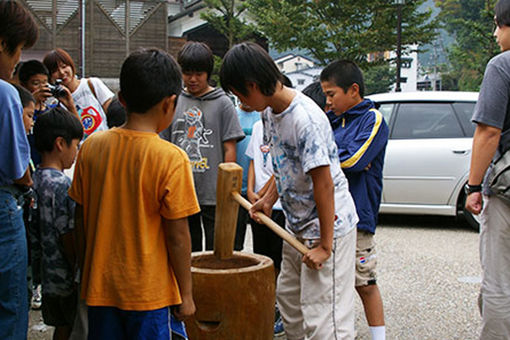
361,135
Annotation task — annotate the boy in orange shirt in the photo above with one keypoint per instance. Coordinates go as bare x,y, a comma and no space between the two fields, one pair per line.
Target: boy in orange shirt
133,193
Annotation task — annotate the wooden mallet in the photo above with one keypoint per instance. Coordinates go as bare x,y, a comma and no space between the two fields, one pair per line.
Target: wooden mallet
228,199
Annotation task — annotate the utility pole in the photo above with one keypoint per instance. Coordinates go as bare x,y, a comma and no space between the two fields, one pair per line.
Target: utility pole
399,4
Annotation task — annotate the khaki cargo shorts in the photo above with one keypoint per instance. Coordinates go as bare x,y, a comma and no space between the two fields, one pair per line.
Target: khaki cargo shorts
366,259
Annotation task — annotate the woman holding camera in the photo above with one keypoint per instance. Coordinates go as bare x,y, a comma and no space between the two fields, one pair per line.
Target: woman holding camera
91,96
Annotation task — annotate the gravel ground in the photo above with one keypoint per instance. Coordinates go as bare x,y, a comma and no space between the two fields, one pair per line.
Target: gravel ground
429,276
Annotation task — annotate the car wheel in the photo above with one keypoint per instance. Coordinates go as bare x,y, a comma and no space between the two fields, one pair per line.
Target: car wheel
472,220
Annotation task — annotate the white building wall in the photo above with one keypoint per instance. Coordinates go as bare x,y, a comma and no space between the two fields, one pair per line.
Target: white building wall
410,73
178,27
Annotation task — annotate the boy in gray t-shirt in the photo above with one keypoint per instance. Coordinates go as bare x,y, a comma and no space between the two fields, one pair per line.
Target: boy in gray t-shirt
206,126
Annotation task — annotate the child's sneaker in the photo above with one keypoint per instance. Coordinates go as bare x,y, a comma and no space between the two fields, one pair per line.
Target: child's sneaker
36,297
278,327
278,323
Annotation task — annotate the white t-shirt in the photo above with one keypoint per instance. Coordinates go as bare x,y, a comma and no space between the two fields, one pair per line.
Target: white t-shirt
90,107
261,157
301,139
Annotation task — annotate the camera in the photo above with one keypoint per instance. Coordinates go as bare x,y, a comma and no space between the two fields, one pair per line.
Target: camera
56,89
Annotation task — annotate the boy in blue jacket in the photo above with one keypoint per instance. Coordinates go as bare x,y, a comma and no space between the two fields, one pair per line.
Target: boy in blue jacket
361,135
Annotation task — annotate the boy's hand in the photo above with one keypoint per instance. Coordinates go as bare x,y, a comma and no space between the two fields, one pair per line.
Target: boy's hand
261,205
252,196
316,257
41,94
67,100
186,309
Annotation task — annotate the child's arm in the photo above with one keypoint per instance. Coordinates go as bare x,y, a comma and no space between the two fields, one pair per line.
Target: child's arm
265,204
178,242
67,241
229,150
26,180
250,192
324,195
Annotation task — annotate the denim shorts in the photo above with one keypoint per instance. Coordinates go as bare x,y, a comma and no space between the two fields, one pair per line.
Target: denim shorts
13,269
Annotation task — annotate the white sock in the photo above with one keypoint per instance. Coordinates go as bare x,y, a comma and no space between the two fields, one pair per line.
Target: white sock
378,332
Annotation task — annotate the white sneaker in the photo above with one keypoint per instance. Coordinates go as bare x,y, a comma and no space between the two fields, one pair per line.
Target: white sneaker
36,297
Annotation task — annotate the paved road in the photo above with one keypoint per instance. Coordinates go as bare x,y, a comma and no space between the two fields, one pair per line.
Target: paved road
429,277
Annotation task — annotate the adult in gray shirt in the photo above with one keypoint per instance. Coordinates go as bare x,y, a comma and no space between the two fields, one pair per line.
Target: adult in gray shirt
491,139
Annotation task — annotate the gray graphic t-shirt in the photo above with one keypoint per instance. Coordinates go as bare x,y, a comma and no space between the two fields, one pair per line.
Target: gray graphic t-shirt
56,218
200,127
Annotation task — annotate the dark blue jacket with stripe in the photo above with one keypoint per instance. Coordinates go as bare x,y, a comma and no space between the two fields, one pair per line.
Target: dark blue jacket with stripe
361,135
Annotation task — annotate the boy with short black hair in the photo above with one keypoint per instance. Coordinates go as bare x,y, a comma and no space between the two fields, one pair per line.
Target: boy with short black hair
206,126
315,298
361,135
134,192
57,135
34,76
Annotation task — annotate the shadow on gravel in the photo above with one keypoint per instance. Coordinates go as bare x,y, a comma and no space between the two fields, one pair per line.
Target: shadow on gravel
424,221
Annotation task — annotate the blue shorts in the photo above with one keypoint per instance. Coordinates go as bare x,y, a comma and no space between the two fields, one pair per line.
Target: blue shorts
110,323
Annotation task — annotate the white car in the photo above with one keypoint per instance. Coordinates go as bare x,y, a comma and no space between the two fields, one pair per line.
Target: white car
428,153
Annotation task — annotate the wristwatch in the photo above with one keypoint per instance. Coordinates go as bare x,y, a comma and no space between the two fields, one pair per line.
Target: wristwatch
469,189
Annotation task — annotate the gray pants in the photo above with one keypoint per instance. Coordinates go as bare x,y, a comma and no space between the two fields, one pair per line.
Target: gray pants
495,261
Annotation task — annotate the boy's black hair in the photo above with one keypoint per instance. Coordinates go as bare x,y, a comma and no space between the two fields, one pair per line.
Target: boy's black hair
146,77
25,95
196,56
314,91
31,68
116,114
17,26
502,13
286,81
57,122
249,63
344,73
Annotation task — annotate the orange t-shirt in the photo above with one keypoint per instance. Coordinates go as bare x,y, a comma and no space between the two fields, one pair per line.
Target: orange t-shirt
127,182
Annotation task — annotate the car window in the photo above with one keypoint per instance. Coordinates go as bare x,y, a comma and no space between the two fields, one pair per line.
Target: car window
426,120
386,109
465,112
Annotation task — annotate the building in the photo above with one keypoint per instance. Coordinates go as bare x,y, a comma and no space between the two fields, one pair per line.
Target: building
409,66
185,24
302,78
293,62
98,34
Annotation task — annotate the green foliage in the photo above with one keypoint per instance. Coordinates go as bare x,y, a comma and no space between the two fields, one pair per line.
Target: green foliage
379,78
347,29
471,21
226,17
214,80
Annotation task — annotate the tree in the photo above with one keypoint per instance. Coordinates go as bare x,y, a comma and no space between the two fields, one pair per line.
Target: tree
378,78
347,29
472,24
226,16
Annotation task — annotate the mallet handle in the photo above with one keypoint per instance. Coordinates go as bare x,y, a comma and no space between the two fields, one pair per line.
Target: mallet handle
272,225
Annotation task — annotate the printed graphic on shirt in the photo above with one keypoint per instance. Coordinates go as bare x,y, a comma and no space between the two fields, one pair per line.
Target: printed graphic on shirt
265,151
194,138
90,119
